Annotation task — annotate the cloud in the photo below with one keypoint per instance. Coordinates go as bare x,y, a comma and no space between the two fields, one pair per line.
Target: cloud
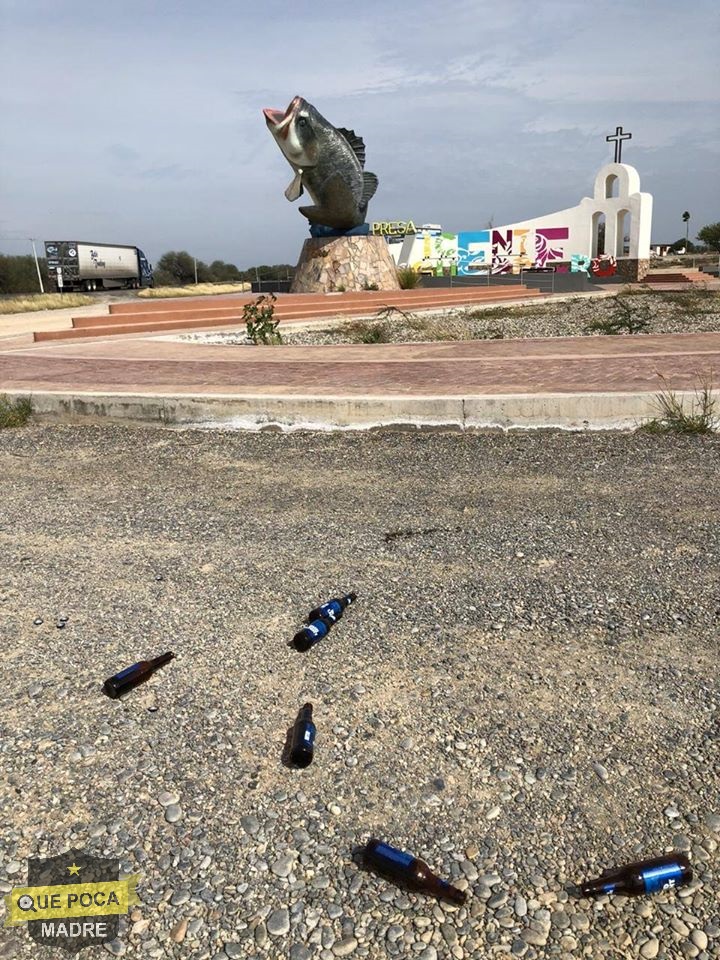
153,119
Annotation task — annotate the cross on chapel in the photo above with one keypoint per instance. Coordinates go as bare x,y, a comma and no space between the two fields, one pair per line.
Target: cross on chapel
618,138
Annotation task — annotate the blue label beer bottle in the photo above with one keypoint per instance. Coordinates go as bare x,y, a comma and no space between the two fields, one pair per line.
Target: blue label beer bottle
409,870
303,738
309,635
645,876
130,677
333,609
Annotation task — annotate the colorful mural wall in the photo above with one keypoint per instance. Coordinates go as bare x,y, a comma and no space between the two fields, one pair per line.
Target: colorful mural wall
571,239
499,251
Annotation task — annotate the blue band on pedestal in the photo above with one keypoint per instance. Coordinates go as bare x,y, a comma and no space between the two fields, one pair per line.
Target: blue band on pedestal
317,230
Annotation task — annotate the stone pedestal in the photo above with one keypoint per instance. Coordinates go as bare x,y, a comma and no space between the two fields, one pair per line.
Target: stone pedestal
336,264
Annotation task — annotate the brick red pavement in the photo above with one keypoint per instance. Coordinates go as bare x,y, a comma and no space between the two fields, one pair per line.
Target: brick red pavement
475,368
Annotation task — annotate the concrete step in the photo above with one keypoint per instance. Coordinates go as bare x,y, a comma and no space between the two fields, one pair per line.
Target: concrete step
684,276
317,308
107,326
193,304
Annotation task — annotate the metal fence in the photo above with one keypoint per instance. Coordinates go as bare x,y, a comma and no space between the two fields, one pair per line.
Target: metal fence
542,279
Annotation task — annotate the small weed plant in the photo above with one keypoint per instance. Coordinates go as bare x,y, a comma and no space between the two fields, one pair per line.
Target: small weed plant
261,326
14,414
408,278
367,331
626,318
673,417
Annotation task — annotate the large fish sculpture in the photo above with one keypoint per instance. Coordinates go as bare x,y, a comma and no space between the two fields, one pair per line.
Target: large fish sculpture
328,162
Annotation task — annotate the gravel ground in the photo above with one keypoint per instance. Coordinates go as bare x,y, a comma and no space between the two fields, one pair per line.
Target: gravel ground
525,693
693,311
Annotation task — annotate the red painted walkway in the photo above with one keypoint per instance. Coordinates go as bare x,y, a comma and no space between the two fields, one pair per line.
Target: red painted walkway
468,368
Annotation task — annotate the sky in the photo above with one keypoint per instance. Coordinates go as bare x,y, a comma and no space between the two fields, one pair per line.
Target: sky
141,122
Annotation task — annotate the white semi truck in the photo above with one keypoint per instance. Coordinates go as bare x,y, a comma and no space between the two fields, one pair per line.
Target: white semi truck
75,265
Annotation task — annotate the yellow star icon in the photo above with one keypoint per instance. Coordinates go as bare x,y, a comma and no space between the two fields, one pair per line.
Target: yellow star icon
74,869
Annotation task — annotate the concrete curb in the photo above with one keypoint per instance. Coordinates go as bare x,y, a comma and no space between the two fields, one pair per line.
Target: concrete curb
576,411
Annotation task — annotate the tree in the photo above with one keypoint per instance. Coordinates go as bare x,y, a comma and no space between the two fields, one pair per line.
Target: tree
686,221
179,266
224,271
19,275
710,235
683,246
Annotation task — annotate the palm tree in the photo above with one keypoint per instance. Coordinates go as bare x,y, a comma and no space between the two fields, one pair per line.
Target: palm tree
686,221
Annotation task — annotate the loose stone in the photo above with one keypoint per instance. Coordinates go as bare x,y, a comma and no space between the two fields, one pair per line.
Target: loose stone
173,813
178,931
283,866
278,923
429,953
299,951
649,950
343,948
700,939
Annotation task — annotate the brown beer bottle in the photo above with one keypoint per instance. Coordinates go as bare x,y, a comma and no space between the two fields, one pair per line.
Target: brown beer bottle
130,677
303,738
644,876
397,865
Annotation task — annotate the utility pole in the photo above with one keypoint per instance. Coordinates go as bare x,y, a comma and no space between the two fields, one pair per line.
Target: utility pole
195,262
37,265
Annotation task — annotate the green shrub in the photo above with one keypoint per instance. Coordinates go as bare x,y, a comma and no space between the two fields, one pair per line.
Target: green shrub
408,278
258,317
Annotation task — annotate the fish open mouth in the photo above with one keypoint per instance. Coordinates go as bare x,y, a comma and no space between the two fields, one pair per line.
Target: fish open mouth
278,121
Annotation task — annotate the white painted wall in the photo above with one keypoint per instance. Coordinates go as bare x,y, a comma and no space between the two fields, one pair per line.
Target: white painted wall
579,221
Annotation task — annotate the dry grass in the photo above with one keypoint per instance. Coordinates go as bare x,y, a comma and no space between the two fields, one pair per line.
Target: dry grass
696,301
44,301
14,413
195,290
674,417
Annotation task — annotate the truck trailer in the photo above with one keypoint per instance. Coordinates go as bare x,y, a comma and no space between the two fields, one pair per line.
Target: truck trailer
75,265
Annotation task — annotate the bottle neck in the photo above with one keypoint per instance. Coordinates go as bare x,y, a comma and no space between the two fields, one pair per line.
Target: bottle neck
447,890
162,659
595,888
306,712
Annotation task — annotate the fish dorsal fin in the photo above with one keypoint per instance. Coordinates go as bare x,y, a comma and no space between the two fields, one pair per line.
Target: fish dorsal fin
370,185
356,143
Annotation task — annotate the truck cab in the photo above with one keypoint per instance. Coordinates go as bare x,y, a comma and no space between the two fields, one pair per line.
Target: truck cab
146,270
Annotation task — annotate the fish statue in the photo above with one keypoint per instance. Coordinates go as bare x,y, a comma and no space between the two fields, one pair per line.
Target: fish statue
328,162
